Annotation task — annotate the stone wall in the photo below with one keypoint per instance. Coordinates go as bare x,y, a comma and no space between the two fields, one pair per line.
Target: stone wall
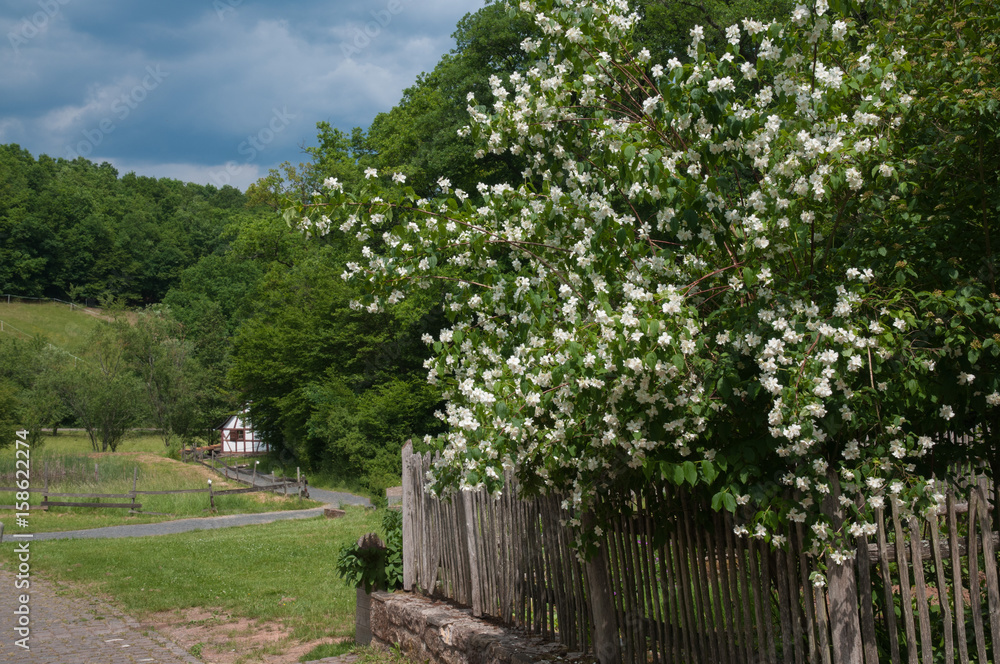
433,631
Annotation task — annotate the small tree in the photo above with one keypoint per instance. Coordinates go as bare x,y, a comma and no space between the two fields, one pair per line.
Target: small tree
102,394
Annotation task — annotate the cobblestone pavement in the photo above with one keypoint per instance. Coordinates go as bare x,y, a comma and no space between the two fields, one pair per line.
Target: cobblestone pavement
66,629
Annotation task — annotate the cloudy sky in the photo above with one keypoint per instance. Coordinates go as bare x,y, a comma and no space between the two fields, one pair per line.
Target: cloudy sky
211,91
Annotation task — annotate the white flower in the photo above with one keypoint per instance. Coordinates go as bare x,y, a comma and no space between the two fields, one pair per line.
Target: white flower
993,399
854,179
370,173
398,177
733,34
946,412
838,31
965,379
333,183
649,105
717,83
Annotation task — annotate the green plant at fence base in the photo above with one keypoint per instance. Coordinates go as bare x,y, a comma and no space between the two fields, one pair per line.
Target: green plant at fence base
392,524
370,564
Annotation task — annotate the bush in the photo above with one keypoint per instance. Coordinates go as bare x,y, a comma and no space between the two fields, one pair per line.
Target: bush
371,564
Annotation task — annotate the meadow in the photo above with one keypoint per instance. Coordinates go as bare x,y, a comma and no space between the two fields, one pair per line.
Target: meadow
64,327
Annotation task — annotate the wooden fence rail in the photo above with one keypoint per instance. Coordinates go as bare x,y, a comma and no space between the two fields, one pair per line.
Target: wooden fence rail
298,485
684,588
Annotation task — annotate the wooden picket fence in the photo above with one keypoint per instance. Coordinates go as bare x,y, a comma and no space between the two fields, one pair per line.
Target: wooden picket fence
683,588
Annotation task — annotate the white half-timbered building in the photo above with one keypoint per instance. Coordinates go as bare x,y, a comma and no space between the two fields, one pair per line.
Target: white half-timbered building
237,436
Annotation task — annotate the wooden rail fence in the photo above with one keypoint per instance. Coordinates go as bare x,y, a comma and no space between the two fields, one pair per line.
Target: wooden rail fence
679,586
283,486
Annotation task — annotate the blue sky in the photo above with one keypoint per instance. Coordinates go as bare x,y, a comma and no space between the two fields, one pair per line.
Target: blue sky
210,91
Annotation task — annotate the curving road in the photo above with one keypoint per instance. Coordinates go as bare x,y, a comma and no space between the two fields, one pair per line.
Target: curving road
329,498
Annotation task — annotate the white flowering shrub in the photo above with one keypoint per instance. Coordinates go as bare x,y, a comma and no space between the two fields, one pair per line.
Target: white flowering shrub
676,292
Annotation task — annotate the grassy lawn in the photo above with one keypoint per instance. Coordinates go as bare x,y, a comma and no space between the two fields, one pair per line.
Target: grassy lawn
69,463
61,326
279,575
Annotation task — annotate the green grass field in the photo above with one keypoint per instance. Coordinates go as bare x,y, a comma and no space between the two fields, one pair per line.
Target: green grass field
62,326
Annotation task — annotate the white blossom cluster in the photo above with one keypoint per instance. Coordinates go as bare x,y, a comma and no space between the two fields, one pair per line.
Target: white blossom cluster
660,272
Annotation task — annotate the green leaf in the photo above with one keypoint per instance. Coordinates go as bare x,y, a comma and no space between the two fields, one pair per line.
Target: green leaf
690,473
678,475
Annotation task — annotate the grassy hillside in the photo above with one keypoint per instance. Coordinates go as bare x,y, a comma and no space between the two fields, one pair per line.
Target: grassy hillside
64,327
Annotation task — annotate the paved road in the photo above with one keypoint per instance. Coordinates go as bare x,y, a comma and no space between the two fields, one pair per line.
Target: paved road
172,527
334,498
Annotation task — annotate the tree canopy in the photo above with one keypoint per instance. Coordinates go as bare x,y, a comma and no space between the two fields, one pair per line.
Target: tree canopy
75,229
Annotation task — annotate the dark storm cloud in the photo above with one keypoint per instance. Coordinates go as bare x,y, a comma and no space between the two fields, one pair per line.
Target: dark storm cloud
207,90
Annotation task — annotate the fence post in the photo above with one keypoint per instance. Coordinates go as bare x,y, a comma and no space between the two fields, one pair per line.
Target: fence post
298,480
96,481
472,532
135,479
45,493
605,635
842,590
211,496
409,516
